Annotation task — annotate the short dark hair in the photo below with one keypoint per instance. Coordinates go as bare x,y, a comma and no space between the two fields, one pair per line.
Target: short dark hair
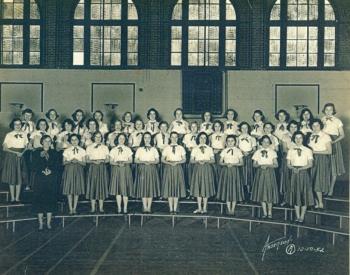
220,123
260,113
142,144
201,134
124,115
69,121
293,122
73,135
264,137
93,138
94,120
298,133
38,124
44,137
304,111
285,113
211,115
235,114
154,110
232,136
98,111
245,123
27,111
272,126
74,115
47,114
12,123
178,109
116,142
329,104
319,121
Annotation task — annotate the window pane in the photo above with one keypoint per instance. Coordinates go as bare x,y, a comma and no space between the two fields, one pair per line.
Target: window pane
328,11
176,59
312,60
177,11
132,12
329,60
274,59
276,10
78,58
79,11
230,11
34,10
34,58
301,60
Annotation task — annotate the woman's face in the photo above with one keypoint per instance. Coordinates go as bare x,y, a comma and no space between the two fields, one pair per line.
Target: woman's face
202,139
329,111
230,142
74,141
178,114
293,128
47,142
268,129
282,117
316,127
117,126
266,143
42,126
299,140
173,138
306,115
257,117
244,129
79,116
17,125
217,127
207,116
138,125
163,127
127,117
52,115
98,116
194,127
92,126
147,139
27,116
152,115
98,138
121,140
230,115
68,127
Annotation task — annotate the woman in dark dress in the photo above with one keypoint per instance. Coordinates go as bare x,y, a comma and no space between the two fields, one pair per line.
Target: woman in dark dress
45,188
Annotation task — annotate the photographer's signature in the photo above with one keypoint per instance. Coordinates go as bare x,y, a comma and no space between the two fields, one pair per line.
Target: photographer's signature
288,246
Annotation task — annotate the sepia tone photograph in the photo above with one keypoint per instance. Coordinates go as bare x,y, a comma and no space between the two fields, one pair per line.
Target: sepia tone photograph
174,137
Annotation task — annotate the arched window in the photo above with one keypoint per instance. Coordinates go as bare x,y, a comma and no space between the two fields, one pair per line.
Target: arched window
302,34
203,33
105,33
20,29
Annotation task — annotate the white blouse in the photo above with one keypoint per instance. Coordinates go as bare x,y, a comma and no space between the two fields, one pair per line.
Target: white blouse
319,141
86,139
135,138
332,125
265,156
190,140
217,141
97,151
103,128
62,139
28,126
281,130
202,153
299,156
305,128
79,130
257,129
174,153
128,127
72,152
121,153
161,140
152,126
231,127
179,126
206,127
36,136
111,138
17,140
246,142
231,155
147,154
287,141
54,128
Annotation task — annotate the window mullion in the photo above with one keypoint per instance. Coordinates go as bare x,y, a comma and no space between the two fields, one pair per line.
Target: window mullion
320,34
26,32
124,34
283,34
87,32
185,25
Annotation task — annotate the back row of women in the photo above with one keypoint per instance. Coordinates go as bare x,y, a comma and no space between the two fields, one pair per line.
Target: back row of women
289,162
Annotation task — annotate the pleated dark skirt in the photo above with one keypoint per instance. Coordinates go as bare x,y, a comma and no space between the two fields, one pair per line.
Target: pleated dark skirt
202,181
337,160
173,182
14,171
247,170
265,186
147,183
73,179
300,192
230,185
45,193
97,182
121,182
321,173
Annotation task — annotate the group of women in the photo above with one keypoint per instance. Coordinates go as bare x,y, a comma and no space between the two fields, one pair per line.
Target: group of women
292,162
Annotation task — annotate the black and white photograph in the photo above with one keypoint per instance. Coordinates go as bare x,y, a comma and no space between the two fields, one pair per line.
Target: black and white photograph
174,137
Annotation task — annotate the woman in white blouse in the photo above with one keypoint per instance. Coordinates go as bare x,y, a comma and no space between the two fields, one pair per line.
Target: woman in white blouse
14,145
97,156
147,183
173,178
202,180
321,145
300,193
73,175
121,182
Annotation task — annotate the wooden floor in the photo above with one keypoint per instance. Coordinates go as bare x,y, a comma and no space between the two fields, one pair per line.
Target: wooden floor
156,248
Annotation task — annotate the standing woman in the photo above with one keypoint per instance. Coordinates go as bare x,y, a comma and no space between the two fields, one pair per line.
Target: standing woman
247,145
91,129
152,125
121,184
41,130
147,185
258,125
173,178
103,127
305,120
321,145
62,138
97,156
135,137
117,129
334,127
14,167
179,125
54,126
230,124
217,142
281,128
74,161
265,188
79,118
45,181
28,125
230,187
202,179
207,125
128,125
299,160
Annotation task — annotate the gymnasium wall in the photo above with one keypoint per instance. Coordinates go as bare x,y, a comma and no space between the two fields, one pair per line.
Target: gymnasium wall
245,91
